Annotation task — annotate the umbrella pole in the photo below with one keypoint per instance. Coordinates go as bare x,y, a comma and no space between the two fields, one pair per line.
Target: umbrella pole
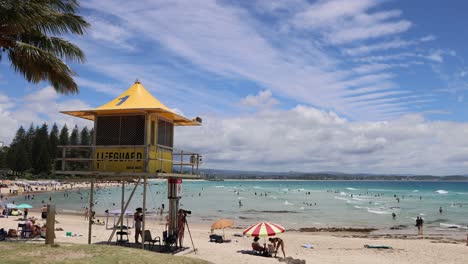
224,238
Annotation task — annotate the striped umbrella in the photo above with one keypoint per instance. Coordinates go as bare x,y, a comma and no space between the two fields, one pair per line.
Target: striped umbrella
263,229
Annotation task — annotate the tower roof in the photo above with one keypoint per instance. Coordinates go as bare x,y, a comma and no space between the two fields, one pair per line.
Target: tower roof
135,100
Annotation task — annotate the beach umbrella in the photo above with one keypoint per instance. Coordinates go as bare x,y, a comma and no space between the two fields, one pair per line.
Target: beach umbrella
22,206
221,224
9,207
263,229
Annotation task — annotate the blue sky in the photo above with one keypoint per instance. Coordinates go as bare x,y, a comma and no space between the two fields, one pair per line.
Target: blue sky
357,64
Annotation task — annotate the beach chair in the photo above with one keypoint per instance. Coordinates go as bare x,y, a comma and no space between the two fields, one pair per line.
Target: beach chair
150,240
122,234
23,231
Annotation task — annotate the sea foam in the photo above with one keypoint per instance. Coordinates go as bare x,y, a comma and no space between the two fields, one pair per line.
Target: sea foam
441,191
377,212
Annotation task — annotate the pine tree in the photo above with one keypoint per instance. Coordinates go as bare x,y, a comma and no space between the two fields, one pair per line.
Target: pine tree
53,141
74,137
20,136
22,161
3,157
63,138
40,151
54,151
74,141
91,136
63,141
84,137
17,157
28,143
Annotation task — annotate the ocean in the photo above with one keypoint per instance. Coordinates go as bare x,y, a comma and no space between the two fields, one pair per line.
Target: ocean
293,204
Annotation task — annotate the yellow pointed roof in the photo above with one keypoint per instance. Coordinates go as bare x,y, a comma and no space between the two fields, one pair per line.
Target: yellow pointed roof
136,100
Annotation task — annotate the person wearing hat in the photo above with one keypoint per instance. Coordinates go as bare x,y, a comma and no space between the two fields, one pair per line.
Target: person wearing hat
138,217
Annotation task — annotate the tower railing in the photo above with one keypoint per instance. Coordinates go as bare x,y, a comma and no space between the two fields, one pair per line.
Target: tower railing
84,159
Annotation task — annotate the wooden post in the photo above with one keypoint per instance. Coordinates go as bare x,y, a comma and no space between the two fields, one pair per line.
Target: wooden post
91,210
144,213
50,225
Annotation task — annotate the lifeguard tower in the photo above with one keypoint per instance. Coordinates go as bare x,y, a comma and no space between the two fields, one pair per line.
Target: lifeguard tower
133,140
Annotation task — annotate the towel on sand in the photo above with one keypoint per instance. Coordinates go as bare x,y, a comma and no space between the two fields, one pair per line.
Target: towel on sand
308,246
378,246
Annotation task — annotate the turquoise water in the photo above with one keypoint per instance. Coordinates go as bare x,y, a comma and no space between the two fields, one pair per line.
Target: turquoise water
287,202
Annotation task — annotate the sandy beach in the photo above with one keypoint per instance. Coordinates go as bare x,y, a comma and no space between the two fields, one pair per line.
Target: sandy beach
338,247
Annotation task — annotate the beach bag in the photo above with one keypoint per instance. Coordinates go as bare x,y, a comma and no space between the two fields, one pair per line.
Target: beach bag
12,233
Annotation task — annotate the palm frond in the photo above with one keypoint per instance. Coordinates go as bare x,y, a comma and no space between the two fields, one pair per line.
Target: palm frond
38,65
57,46
48,16
62,23
68,6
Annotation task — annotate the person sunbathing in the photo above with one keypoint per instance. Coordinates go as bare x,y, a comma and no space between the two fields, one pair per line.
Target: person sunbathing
256,246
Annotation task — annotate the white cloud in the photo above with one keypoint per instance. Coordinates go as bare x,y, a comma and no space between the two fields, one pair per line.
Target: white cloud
98,86
394,44
427,38
110,33
366,32
37,107
228,41
438,55
263,99
307,139
345,21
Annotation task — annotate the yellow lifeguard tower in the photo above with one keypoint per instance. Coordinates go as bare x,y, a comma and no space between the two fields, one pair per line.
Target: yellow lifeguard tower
133,139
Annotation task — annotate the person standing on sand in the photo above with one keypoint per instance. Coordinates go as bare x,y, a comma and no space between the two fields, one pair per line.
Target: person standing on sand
277,243
86,214
417,223
138,217
44,212
421,224
26,211
181,226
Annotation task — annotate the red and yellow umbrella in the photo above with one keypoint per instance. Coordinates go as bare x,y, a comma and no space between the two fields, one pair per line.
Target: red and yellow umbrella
263,229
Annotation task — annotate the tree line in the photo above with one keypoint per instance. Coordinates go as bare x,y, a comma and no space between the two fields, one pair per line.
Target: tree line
35,150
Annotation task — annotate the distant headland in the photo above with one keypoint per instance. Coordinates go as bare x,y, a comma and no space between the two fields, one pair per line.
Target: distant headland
218,174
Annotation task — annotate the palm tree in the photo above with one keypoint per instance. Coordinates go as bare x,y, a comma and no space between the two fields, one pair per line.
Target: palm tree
29,31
